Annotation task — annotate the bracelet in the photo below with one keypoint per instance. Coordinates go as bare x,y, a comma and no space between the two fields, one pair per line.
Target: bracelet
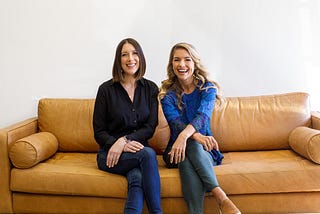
125,139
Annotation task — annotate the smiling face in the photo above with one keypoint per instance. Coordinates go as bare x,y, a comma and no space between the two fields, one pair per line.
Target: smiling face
129,59
183,65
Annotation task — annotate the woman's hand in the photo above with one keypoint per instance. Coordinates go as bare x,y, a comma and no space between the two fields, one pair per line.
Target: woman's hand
115,152
178,150
133,146
208,142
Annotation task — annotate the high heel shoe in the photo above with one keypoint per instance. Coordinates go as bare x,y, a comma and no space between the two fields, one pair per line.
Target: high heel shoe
228,207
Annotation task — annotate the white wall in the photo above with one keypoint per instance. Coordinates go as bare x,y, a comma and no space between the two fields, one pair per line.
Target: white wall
65,48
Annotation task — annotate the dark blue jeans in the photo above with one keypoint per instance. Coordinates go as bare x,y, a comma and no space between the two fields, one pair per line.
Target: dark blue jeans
141,170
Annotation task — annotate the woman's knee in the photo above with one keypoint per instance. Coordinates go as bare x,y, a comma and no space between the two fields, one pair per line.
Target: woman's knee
148,153
194,147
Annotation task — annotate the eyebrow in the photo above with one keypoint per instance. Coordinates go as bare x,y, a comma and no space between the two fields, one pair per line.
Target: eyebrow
129,51
187,57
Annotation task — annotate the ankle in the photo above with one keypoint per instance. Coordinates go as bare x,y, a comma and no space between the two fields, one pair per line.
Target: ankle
228,207
219,195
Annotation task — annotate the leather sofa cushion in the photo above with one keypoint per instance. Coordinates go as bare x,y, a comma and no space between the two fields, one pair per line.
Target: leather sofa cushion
240,173
306,142
275,171
71,122
29,151
259,122
69,174
239,124
161,135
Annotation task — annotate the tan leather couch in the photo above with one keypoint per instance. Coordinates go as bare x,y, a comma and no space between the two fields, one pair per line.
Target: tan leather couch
271,146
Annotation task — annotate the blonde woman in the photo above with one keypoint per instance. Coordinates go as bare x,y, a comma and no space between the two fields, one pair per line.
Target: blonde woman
188,99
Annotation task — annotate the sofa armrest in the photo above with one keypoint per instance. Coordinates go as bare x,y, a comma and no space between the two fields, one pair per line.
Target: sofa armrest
315,119
9,135
306,142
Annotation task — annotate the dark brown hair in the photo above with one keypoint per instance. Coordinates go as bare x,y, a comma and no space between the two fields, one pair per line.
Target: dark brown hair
117,74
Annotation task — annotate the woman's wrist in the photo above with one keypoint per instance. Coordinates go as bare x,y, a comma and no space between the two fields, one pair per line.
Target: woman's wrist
122,141
183,136
187,132
125,139
195,136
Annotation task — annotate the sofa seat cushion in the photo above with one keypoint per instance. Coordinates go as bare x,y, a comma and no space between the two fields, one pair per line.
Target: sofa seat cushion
255,172
277,171
77,174
69,174
240,173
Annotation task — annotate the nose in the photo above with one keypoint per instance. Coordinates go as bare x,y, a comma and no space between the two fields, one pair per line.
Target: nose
181,63
130,56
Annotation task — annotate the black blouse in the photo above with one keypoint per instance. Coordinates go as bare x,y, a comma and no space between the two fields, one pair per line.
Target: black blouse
115,115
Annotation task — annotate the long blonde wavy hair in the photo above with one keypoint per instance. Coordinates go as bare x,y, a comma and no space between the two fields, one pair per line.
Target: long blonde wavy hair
200,75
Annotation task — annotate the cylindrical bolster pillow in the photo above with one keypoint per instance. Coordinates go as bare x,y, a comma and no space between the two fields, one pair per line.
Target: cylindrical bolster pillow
306,142
29,151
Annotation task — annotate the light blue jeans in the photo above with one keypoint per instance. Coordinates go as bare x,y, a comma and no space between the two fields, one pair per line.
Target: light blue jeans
197,176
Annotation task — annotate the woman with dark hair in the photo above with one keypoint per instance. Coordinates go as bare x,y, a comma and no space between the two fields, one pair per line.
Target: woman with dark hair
125,117
188,99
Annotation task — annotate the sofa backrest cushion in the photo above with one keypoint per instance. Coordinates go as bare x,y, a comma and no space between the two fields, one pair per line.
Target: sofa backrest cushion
161,136
70,120
259,122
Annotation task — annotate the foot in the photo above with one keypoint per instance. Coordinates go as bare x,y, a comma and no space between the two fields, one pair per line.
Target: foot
228,207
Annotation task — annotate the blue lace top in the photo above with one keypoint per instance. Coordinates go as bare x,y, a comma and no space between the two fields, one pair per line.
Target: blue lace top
196,110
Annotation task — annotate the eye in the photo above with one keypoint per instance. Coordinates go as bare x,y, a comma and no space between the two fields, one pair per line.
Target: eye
135,52
188,59
124,54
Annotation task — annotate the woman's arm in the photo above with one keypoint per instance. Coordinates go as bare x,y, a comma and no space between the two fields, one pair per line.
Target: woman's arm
172,114
202,119
177,153
204,112
100,119
181,132
208,142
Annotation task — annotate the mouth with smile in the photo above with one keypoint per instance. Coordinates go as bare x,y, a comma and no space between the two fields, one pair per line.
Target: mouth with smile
182,71
131,65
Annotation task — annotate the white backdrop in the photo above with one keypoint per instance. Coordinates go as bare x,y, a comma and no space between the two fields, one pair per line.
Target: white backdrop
65,48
